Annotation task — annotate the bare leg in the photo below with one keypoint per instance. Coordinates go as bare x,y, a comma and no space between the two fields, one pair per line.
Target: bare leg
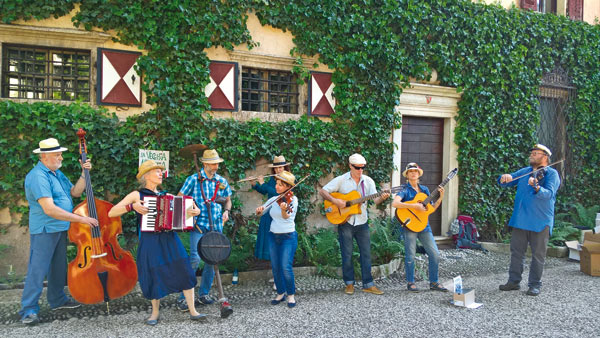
189,299
155,307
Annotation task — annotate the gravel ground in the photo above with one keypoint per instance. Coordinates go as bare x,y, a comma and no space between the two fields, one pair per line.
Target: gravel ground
568,306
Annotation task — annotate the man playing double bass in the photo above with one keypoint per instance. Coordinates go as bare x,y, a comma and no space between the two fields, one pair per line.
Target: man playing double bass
357,226
532,219
49,193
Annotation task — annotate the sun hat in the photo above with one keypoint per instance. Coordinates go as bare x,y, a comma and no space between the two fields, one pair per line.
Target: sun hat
147,166
211,156
357,159
286,177
49,145
278,161
412,166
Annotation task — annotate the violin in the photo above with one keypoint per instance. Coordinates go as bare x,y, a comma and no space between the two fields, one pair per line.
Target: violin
102,270
287,195
539,173
287,198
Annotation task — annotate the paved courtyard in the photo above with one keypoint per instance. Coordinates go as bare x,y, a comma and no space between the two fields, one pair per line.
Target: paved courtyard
568,306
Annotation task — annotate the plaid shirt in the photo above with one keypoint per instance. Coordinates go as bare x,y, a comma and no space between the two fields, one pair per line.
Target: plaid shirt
191,187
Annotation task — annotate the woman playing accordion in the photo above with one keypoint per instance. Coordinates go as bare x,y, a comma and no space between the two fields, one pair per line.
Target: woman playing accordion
162,262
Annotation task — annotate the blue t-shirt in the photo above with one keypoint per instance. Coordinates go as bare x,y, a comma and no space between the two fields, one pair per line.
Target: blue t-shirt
408,193
42,182
533,211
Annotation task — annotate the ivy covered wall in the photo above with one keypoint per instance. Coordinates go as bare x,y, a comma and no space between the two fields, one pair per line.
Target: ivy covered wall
496,57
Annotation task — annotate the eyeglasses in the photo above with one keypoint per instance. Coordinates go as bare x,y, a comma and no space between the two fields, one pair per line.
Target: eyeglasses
536,153
359,168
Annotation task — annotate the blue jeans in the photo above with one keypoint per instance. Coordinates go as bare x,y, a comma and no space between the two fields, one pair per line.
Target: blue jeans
282,249
410,246
47,257
346,233
208,272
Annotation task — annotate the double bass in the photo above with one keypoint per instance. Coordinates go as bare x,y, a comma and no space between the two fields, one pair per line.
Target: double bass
102,270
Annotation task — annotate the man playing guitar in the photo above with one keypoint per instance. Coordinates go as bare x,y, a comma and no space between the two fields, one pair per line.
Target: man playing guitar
356,226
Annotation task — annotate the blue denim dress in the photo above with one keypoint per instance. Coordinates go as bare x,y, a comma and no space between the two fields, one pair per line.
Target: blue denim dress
162,262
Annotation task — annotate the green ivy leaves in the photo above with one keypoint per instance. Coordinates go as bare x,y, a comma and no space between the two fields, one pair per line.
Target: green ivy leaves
495,57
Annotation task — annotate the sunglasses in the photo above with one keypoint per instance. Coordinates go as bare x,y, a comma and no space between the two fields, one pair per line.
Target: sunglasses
359,168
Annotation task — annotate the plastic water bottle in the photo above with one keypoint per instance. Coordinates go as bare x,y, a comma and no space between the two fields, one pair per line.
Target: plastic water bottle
235,277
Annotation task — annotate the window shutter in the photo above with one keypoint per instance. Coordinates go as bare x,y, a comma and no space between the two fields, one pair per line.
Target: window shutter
529,4
320,94
118,82
222,90
575,10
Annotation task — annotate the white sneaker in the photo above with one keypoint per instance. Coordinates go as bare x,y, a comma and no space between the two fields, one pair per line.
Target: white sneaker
272,280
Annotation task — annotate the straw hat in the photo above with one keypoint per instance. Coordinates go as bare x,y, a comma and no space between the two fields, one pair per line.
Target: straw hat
49,145
287,177
211,156
412,166
278,161
147,166
542,148
357,159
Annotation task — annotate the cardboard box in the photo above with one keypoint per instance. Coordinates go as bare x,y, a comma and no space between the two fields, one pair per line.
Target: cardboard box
574,250
466,298
590,255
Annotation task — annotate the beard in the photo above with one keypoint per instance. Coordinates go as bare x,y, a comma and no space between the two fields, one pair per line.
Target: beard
532,162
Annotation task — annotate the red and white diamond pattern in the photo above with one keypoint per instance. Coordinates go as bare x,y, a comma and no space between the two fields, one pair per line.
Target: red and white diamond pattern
121,84
322,101
221,89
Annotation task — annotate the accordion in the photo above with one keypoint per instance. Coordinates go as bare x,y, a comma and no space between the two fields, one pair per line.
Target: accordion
167,213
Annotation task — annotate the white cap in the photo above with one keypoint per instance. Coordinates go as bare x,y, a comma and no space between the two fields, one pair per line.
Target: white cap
357,159
542,148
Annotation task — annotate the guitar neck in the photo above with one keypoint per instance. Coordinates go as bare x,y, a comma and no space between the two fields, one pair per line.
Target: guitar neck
374,196
435,194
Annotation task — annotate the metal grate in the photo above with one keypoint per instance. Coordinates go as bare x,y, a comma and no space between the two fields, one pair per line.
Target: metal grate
269,91
43,73
556,96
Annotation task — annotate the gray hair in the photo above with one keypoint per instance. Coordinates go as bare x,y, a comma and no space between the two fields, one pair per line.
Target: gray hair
142,182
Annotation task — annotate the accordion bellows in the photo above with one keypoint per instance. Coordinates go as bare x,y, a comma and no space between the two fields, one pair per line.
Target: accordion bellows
167,213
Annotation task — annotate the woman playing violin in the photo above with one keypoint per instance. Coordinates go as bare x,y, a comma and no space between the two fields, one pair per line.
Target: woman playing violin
261,250
283,239
162,261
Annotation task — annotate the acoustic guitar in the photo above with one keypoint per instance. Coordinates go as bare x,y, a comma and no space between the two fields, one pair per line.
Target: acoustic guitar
353,200
416,220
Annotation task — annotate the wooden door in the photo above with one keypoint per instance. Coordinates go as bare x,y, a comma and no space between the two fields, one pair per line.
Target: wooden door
422,142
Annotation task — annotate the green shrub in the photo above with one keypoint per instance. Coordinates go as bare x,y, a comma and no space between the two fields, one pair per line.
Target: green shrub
563,231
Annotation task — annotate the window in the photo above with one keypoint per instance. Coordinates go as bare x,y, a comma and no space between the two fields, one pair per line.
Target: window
45,73
547,6
269,91
544,6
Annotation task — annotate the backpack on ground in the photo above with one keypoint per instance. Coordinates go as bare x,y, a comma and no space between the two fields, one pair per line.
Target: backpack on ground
467,235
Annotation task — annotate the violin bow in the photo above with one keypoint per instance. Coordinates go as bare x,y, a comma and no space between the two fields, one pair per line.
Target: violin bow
549,165
283,194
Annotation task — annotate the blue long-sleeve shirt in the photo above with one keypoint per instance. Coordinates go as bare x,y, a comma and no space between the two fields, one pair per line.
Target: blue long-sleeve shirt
267,188
533,211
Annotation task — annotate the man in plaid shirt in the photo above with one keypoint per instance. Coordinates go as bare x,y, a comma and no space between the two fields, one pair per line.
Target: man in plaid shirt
210,186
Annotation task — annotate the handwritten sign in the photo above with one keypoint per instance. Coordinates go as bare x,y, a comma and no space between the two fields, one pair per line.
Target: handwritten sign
159,156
